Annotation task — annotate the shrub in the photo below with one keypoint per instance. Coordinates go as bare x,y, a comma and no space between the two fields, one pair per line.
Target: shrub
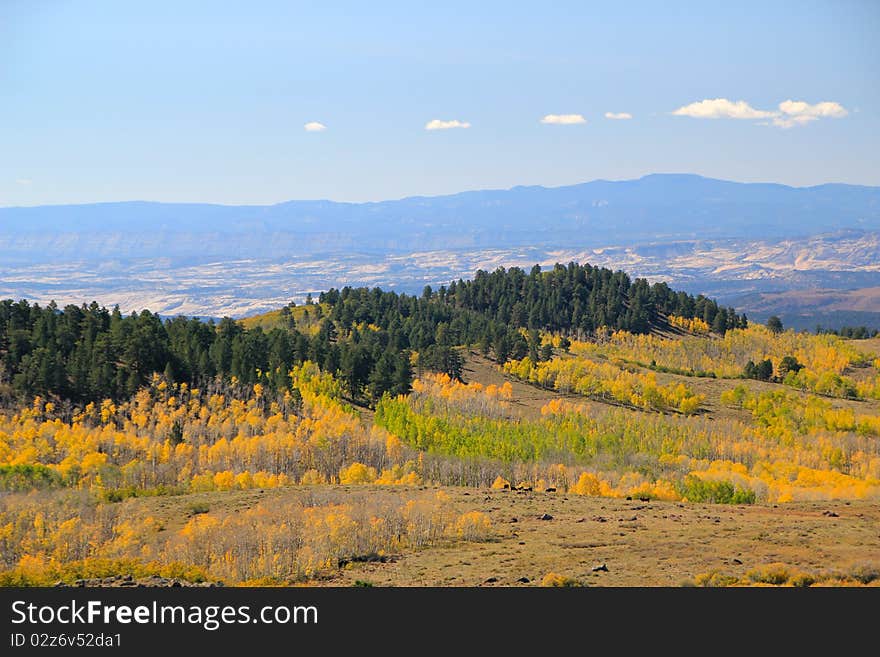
501,483
775,573
716,492
715,579
473,526
587,484
357,473
865,574
312,478
25,477
39,571
556,580
802,580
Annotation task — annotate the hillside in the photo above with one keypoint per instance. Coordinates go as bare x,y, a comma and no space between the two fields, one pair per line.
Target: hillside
493,431
305,318
366,336
631,530
806,309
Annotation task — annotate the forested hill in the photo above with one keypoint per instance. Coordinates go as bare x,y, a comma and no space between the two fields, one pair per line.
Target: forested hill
365,336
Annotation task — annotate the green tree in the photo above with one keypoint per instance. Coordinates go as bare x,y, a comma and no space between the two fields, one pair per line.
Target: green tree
789,364
764,370
402,379
381,377
546,352
774,324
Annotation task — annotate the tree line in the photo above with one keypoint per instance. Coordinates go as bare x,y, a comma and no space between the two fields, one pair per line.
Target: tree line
570,299
368,337
849,332
88,353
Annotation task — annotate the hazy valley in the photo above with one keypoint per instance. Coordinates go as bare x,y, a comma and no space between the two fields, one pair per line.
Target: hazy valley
810,276
759,247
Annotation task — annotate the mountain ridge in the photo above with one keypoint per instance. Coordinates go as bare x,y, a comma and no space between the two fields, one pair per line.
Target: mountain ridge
597,213
420,197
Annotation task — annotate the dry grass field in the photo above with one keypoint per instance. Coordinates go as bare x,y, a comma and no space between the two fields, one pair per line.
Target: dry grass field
640,543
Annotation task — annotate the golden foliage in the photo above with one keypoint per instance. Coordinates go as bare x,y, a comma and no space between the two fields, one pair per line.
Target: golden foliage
501,483
826,358
779,574
473,526
72,537
792,450
172,437
552,579
606,382
691,324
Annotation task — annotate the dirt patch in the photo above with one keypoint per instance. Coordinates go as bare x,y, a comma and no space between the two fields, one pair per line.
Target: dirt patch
640,543
654,544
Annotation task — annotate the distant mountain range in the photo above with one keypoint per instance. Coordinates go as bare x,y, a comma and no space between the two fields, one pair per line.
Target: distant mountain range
657,207
733,240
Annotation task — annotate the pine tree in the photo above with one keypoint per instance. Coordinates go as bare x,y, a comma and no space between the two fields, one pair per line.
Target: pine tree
774,324
402,378
381,377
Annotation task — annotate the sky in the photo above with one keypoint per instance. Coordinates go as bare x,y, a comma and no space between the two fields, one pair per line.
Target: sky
259,102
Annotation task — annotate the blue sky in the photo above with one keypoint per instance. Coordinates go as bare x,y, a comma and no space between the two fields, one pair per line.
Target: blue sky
207,102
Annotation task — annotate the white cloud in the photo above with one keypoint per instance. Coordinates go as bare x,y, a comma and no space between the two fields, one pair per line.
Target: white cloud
791,113
563,119
314,126
721,108
618,116
23,181
437,124
796,112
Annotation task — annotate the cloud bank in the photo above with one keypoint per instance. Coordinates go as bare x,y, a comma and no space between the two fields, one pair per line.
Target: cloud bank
790,113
